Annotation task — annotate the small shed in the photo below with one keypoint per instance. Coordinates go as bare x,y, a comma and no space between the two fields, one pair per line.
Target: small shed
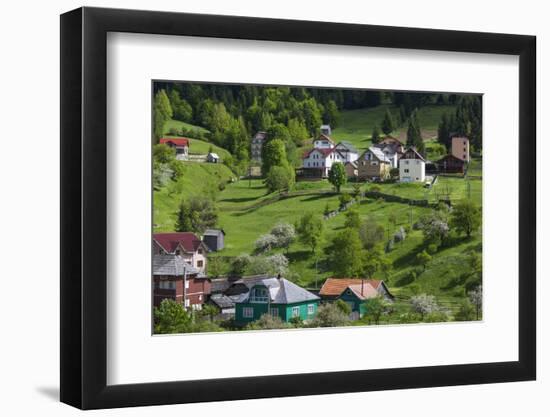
212,158
214,239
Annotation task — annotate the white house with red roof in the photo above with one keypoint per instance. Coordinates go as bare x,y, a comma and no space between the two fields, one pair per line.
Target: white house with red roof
184,244
181,146
323,142
318,161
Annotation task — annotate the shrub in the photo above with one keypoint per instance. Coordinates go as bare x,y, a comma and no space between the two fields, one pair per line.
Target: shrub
267,322
344,199
343,306
265,243
424,305
432,248
330,315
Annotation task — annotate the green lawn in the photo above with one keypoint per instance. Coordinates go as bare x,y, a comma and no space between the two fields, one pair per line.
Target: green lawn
198,179
356,125
177,124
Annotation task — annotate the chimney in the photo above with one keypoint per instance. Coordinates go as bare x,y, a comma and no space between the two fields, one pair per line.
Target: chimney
279,276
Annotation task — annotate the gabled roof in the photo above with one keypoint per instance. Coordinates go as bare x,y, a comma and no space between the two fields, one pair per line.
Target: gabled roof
391,140
335,286
170,241
324,137
175,141
378,154
222,301
213,155
324,151
363,291
450,156
260,135
172,265
352,163
281,290
214,232
415,154
347,145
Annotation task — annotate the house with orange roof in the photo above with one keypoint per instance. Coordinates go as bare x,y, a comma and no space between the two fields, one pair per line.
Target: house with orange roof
354,292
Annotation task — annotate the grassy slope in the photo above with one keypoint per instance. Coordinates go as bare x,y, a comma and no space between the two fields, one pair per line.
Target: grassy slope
198,179
179,125
356,125
244,221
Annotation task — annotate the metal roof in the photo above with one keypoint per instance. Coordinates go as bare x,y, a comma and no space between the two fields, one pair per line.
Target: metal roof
172,265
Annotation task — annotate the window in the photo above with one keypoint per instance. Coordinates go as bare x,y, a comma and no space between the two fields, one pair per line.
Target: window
406,170
167,285
310,309
274,312
417,162
406,162
200,251
296,311
200,264
187,303
248,312
259,295
186,284
178,252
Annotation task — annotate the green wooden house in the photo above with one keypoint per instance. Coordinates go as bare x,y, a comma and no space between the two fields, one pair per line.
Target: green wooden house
275,296
354,292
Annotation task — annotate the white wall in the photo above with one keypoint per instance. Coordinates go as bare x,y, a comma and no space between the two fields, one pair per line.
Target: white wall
29,209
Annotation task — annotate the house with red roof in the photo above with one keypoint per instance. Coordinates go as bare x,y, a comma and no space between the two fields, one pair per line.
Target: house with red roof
354,292
318,161
186,245
180,145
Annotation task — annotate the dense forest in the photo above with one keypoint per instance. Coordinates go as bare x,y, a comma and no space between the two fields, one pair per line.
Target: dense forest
233,113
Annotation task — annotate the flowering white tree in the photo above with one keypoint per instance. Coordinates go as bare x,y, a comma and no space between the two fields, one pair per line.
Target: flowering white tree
284,234
265,243
424,304
278,264
476,298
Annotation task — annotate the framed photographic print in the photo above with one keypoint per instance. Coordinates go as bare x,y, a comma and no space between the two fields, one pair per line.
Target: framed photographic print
259,208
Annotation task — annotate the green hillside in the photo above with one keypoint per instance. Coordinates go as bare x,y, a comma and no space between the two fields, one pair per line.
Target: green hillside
356,126
198,179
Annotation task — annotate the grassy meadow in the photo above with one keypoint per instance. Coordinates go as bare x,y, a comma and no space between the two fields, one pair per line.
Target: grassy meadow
247,210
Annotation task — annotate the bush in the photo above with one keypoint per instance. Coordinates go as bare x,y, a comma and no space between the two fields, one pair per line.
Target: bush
330,315
267,322
432,248
344,199
343,306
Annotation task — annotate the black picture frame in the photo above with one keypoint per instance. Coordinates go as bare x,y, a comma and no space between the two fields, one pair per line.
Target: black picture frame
84,207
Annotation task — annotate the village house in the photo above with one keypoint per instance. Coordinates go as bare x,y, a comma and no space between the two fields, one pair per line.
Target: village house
348,150
323,142
354,292
175,279
214,239
392,148
256,146
253,296
373,165
184,244
460,148
318,161
277,297
450,164
351,170
412,167
180,145
325,130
